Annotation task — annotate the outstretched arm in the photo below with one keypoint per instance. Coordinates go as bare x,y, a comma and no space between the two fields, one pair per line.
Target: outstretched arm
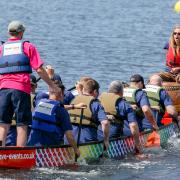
148,114
72,142
105,128
135,132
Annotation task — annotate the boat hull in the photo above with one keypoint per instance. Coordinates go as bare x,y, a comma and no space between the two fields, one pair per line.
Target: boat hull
31,157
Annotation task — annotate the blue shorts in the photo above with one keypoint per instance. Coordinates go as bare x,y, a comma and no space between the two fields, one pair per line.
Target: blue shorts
16,102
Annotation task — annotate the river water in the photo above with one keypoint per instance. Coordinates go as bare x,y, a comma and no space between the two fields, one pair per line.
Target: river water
105,39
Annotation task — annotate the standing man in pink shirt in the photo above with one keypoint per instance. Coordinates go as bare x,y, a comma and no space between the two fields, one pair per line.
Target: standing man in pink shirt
17,59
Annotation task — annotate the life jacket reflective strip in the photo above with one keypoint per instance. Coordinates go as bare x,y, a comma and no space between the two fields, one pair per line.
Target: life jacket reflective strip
153,93
109,102
87,115
13,59
44,116
130,95
171,60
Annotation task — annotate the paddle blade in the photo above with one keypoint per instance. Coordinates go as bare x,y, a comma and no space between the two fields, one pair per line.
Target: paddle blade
153,140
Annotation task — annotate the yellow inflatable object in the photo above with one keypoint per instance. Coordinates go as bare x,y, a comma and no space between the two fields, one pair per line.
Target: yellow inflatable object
177,7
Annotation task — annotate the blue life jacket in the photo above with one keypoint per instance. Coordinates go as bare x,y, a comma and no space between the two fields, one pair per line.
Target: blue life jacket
13,59
44,116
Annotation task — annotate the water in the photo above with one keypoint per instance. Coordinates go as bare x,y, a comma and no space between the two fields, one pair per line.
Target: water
105,39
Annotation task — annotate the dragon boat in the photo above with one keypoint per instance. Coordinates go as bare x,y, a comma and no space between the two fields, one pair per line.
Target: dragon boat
59,156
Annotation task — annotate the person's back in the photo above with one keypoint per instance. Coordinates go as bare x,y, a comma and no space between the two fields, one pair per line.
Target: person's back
160,101
119,111
50,121
17,59
93,115
138,97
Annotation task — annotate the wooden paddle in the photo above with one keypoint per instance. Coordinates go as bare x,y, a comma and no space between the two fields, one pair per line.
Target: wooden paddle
79,132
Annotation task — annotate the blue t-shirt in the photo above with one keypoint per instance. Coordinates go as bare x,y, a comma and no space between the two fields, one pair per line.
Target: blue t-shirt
141,100
42,138
165,100
127,114
90,133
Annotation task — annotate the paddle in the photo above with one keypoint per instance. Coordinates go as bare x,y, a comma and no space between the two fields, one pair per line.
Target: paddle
104,153
176,121
153,140
79,132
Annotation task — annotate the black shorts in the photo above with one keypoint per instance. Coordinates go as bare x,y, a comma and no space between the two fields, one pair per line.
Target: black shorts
16,102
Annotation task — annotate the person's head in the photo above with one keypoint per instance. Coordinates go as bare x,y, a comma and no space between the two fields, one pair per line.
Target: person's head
116,87
79,84
175,37
137,81
155,80
33,82
91,87
16,29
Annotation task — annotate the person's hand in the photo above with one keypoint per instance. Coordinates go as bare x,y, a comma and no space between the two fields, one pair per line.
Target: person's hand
80,106
110,117
155,127
50,71
175,70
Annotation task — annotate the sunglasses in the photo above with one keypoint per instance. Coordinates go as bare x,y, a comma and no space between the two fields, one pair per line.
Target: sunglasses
176,33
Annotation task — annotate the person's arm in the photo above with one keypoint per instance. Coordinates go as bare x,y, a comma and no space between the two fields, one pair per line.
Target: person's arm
43,74
72,142
75,106
149,115
105,128
135,132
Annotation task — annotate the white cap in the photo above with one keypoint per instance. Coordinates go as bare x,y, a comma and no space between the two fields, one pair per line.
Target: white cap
16,26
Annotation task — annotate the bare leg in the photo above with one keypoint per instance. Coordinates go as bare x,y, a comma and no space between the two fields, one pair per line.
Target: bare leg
4,128
21,136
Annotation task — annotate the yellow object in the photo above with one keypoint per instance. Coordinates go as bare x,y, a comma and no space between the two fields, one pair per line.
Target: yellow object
177,6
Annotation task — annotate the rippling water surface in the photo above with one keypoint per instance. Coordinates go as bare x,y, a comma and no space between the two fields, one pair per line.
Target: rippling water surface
108,40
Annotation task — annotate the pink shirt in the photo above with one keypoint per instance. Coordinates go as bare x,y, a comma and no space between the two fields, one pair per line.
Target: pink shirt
21,81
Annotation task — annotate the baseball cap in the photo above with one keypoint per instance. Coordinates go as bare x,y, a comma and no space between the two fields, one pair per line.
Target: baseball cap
137,78
16,26
33,79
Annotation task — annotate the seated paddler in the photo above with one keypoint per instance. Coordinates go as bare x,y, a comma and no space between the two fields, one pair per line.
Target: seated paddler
118,111
93,115
50,122
159,100
139,101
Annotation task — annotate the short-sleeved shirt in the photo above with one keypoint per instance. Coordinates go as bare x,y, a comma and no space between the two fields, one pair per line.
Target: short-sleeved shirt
38,137
127,114
21,81
165,100
141,100
88,133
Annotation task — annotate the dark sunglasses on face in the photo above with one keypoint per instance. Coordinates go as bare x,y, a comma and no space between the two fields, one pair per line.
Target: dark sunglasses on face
176,33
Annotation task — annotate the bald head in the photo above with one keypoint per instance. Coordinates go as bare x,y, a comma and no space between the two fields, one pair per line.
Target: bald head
155,80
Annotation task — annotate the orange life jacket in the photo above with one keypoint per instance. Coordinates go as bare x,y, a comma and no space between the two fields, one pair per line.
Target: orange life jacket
171,60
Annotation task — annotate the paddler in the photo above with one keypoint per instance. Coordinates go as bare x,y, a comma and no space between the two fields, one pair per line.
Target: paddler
119,110
93,116
17,59
139,101
50,122
159,100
